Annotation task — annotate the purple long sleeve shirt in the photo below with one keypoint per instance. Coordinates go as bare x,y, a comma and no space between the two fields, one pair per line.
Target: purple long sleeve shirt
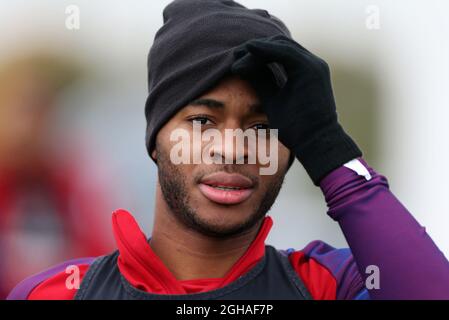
384,236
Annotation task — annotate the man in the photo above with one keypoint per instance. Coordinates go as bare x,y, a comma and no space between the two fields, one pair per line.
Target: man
220,66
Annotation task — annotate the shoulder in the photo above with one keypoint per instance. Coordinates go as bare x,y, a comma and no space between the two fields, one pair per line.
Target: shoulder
327,272
56,283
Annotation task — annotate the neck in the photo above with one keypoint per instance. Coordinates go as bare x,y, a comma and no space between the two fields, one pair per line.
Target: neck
189,254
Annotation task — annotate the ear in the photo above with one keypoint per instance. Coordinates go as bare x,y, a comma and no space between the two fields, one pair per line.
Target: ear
154,154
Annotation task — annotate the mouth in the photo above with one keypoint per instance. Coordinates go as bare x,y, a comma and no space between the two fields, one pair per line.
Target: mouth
225,188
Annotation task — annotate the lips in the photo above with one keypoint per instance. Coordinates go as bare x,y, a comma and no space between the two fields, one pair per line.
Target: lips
225,188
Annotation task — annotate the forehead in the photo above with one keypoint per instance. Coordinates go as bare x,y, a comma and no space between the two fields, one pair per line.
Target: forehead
233,85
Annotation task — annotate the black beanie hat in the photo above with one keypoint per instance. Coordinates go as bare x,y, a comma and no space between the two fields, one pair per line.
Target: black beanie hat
193,50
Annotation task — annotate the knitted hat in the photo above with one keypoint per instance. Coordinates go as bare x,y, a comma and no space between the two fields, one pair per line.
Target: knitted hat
193,50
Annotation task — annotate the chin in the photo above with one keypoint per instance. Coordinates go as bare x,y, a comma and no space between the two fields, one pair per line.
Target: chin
224,218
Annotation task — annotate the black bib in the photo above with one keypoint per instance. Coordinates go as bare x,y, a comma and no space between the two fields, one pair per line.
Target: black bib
272,278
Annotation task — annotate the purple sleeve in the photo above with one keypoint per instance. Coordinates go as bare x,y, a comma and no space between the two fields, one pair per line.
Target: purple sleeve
381,232
340,263
24,288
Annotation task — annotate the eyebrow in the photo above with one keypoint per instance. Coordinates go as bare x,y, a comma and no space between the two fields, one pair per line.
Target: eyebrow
215,104
210,103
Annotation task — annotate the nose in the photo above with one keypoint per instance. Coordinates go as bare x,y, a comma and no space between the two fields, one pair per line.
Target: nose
236,146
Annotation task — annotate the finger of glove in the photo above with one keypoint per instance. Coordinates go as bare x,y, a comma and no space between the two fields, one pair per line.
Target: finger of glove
260,79
303,57
278,44
281,38
247,65
288,53
274,52
256,71
240,51
263,83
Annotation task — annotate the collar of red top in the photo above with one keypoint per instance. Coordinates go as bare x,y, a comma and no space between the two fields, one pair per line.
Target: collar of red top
144,270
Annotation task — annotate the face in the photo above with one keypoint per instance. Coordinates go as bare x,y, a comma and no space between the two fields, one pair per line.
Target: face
219,200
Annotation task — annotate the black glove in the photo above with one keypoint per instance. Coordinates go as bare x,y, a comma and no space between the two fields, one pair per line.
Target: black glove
302,106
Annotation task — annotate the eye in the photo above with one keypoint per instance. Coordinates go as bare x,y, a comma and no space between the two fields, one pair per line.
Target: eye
202,120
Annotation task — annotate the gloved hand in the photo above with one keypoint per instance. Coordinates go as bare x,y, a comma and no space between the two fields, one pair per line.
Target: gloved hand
302,108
